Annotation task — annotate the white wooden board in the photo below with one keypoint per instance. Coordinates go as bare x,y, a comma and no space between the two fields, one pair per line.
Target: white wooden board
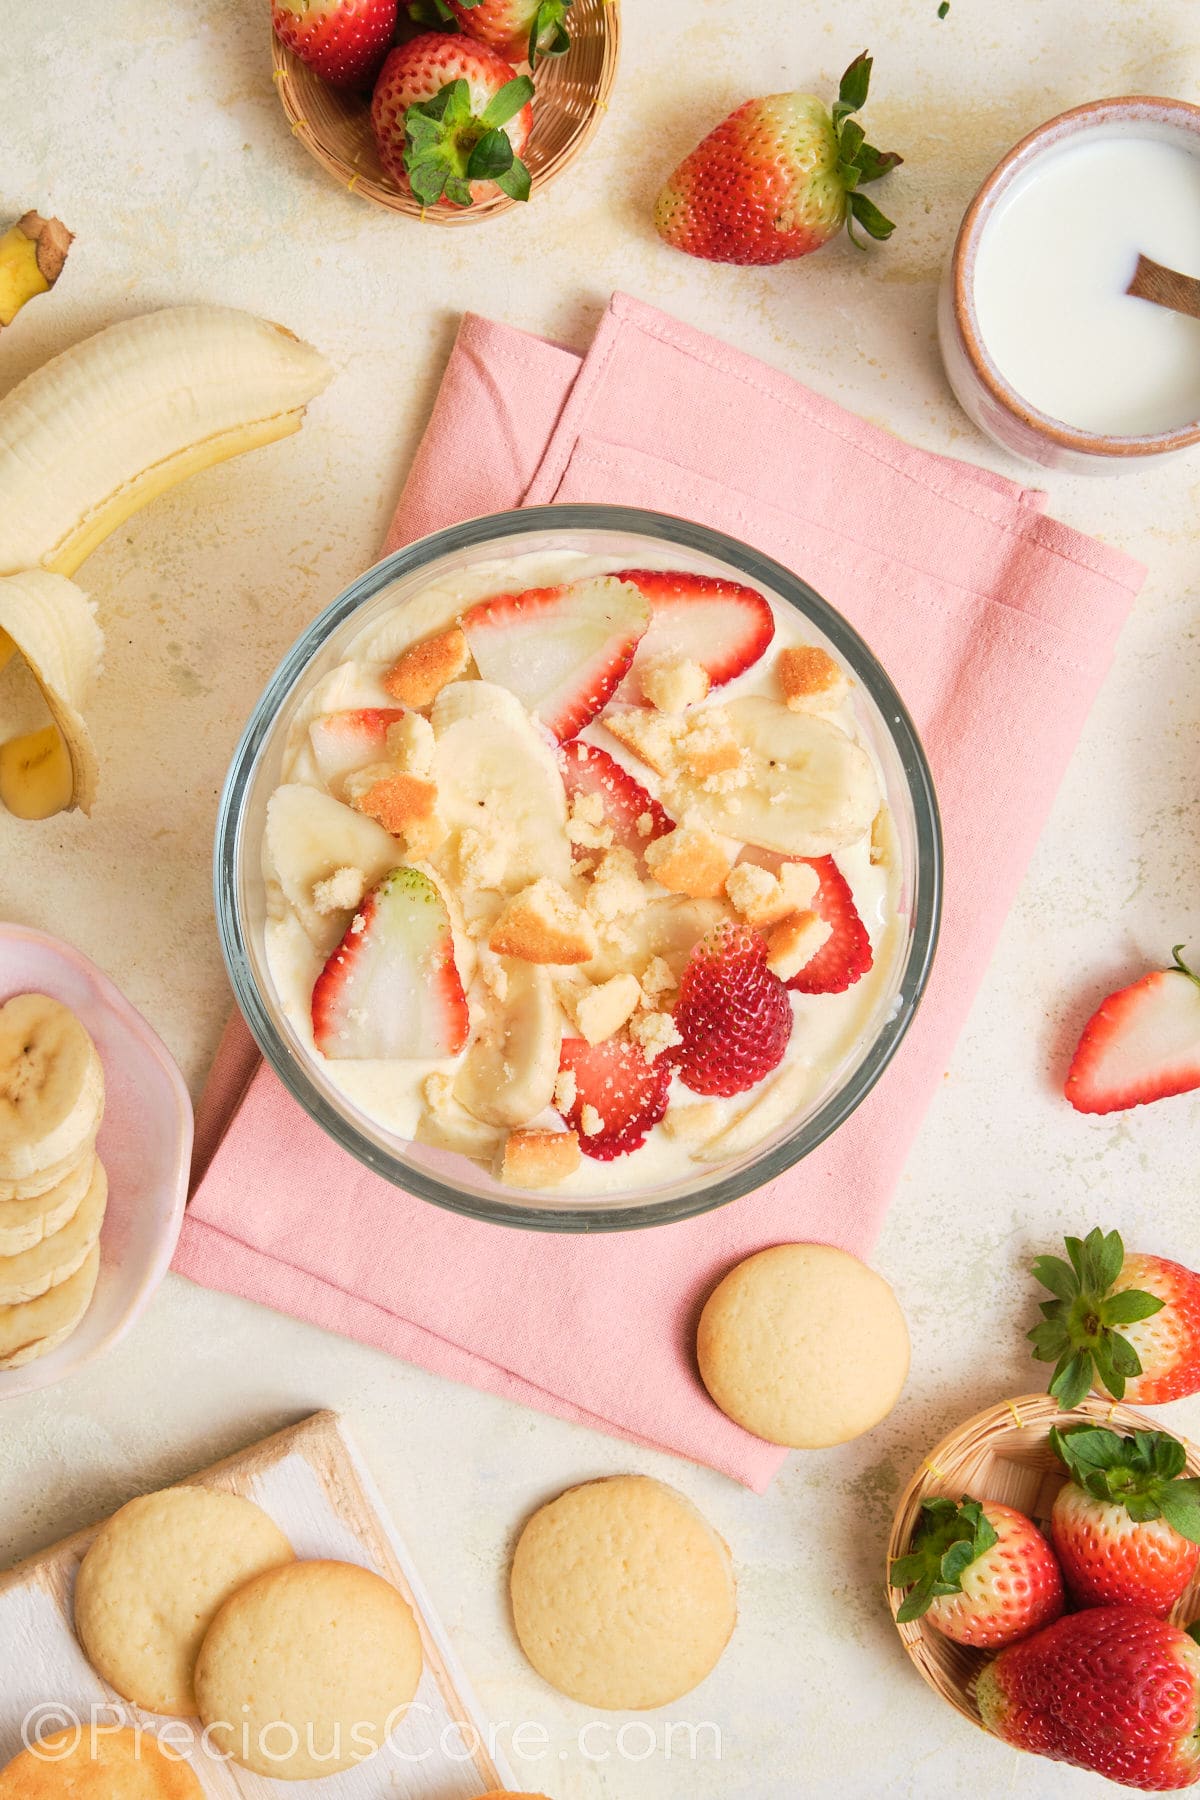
314,1484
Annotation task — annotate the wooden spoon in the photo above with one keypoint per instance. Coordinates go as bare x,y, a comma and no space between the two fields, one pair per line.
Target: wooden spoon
1166,287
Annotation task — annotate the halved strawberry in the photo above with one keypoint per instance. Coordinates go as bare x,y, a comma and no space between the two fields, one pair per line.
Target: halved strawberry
586,769
562,650
697,618
1142,1045
391,988
846,956
344,742
733,1014
627,1093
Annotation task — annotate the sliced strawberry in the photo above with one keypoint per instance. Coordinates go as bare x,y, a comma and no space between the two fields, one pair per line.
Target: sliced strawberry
733,1014
563,650
344,742
1142,1045
586,769
391,988
697,618
846,956
628,1093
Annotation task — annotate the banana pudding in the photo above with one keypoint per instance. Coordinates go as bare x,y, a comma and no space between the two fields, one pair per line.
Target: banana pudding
582,872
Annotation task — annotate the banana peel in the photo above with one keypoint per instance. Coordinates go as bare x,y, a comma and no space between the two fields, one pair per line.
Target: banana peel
51,624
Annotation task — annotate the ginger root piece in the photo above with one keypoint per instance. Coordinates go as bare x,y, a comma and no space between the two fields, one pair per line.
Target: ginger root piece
32,254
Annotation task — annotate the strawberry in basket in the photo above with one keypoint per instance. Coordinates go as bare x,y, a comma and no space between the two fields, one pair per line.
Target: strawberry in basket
981,1572
1126,1526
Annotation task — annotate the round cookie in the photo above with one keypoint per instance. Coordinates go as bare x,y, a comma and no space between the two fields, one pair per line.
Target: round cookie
48,1264
316,1663
623,1596
35,1327
154,1578
101,1765
25,1222
804,1346
51,1085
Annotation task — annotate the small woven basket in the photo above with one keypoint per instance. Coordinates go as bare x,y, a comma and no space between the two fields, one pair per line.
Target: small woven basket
1002,1454
572,97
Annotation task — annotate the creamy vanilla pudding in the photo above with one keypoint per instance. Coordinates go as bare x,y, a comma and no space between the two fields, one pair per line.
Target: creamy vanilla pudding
1051,271
485,919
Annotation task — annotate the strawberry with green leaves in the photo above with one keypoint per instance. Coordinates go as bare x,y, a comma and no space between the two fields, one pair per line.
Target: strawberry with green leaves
1126,1526
1127,1324
518,30
980,1572
779,177
451,119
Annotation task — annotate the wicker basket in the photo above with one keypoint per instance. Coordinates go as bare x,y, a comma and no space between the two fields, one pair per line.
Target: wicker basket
1002,1454
572,97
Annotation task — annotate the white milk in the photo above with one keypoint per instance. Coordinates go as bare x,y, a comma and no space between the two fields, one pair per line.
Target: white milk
1050,278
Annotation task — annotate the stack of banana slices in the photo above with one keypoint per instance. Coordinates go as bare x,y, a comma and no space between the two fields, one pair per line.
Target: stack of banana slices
87,440
53,1188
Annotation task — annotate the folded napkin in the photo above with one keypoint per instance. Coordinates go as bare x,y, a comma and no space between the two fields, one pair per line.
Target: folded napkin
996,623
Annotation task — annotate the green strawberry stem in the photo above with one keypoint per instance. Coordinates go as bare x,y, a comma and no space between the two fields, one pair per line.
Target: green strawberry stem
1178,966
447,146
548,35
858,161
1143,1473
948,1539
1078,1332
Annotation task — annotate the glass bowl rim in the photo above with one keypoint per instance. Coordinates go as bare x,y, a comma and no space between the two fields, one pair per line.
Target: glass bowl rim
591,1214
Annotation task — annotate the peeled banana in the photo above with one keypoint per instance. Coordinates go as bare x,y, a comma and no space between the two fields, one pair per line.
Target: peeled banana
94,435
97,432
53,626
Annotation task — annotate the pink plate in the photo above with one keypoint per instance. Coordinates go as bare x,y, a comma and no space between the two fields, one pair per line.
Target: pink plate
145,1144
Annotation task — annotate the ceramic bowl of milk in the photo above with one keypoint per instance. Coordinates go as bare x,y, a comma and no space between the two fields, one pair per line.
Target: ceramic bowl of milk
1044,348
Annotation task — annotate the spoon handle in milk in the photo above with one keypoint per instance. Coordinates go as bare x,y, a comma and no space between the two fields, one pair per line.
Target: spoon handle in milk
1166,287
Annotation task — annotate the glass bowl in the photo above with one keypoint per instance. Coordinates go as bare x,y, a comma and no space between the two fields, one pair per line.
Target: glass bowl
632,538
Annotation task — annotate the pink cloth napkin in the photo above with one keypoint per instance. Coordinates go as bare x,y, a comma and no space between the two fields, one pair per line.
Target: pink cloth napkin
996,623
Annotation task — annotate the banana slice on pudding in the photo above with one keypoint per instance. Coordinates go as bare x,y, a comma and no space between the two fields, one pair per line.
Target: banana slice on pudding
507,1076
801,787
499,791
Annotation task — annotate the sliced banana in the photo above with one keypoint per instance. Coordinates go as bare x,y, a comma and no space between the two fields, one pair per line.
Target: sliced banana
97,432
810,789
669,927
452,1127
53,626
35,1327
498,779
779,1102
51,1085
37,1185
48,1264
507,1076
24,1223
309,837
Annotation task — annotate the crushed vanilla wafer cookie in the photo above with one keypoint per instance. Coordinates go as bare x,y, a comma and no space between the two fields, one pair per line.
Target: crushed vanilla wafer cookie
673,686
538,1159
810,678
543,924
691,861
418,676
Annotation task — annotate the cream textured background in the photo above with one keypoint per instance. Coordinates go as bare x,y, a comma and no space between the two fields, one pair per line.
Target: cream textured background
154,131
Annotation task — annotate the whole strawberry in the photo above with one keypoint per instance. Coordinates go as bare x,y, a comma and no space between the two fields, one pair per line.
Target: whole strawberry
342,41
981,1572
1113,1689
780,177
518,30
1143,1044
451,119
733,1015
1129,1324
1126,1527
